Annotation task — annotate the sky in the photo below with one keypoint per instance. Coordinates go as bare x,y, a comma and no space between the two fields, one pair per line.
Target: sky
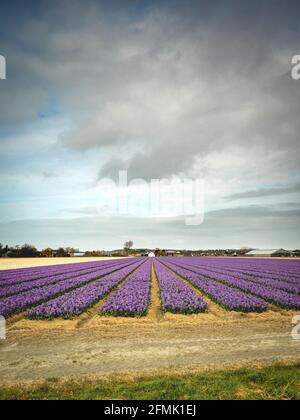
165,90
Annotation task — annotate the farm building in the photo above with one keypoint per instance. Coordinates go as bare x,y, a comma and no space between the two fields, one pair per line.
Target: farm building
173,253
268,253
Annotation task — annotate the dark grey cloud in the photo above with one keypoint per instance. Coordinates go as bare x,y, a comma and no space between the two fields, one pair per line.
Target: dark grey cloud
172,81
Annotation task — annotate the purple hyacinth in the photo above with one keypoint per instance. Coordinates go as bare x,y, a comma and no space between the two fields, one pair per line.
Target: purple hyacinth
176,296
132,298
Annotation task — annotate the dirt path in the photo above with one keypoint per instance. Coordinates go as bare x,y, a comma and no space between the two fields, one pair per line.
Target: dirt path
106,346
14,263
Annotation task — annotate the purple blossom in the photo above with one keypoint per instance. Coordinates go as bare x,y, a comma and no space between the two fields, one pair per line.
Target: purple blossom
23,301
11,277
254,286
132,298
225,296
176,296
31,285
77,301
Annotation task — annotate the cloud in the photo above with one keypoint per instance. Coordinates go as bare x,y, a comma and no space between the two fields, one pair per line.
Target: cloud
254,226
85,211
49,175
163,89
265,192
197,86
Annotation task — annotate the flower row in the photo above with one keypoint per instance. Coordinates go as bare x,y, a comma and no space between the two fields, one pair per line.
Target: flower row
31,285
225,296
132,298
176,296
272,295
265,281
24,275
77,301
23,301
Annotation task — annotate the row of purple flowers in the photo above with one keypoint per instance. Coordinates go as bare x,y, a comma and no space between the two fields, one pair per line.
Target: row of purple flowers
23,301
132,298
176,296
77,301
225,296
288,270
260,279
31,285
269,294
36,273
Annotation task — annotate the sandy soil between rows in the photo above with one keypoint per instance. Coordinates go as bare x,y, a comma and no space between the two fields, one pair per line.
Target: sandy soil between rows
14,263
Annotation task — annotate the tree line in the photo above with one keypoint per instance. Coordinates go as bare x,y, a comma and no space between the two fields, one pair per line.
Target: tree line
30,251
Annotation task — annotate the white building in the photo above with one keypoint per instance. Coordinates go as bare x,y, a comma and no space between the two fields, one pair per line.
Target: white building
268,253
151,255
78,254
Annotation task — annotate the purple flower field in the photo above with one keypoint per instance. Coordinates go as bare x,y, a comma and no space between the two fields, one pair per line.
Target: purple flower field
229,298
6,291
11,277
122,287
132,298
22,301
253,286
77,301
176,296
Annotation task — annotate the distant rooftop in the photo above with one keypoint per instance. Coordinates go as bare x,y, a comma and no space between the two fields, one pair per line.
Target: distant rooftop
265,251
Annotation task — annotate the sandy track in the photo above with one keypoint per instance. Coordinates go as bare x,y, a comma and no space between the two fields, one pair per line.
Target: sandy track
106,346
13,263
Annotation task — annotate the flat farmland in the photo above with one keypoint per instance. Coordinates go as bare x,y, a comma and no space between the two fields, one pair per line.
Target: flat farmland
104,317
16,263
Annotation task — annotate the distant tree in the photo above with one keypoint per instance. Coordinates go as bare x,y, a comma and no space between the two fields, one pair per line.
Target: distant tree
61,252
28,251
162,253
14,252
3,250
95,253
128,246
71,250
48,253
24,251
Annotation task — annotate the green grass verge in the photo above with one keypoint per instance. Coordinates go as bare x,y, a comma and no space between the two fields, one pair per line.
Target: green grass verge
277,382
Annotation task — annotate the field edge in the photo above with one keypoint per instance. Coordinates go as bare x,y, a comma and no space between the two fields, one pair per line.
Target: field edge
279,380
